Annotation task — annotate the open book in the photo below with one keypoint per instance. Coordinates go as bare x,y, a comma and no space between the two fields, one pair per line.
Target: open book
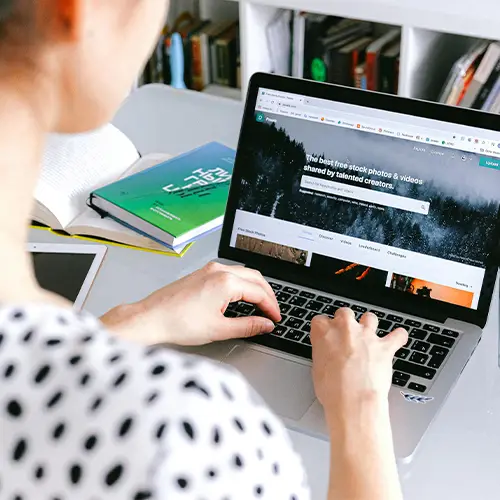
75,165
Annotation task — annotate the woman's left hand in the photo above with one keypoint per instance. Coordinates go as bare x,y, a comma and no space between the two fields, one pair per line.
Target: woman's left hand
191,310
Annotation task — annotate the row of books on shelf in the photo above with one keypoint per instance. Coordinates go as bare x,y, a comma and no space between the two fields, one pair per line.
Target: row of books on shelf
210,53
96,186
345,52
474,80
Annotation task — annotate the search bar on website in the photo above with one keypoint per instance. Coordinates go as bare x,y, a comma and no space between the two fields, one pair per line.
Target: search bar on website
366,195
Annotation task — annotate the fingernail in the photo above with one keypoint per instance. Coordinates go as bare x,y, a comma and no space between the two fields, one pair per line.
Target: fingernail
269,326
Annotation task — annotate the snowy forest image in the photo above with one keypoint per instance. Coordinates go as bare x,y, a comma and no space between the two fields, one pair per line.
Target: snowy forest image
464,197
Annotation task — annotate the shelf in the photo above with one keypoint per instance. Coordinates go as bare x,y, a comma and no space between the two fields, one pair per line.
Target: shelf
481,20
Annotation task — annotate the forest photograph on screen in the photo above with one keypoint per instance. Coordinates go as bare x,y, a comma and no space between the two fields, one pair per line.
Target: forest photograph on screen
463,196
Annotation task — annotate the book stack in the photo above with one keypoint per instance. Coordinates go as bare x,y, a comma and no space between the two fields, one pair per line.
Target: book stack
211,54
474,80
345,52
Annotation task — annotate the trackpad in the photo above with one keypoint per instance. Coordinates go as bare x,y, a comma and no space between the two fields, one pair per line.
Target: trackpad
285,386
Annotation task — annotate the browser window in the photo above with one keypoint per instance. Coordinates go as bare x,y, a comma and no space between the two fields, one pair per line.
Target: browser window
371,196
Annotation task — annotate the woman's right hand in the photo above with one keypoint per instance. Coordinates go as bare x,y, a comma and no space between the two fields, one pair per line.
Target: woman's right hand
352,371
351,365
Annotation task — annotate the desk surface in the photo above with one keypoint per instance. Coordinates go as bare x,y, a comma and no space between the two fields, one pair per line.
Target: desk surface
460,455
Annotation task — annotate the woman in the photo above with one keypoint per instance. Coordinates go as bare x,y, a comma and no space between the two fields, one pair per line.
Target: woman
86,412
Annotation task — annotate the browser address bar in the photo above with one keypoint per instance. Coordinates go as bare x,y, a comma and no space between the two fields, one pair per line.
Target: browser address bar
363,194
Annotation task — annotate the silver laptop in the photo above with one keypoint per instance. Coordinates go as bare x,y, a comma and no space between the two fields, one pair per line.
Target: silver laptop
349,198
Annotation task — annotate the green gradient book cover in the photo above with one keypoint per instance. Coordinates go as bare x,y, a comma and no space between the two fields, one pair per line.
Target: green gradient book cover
179,195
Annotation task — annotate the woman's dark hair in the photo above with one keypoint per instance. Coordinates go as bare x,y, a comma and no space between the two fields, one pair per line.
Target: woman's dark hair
16,23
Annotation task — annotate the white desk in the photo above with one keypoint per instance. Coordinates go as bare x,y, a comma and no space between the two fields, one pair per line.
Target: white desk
460,456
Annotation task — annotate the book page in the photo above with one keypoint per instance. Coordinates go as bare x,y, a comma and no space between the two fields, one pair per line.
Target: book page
74,165
90,223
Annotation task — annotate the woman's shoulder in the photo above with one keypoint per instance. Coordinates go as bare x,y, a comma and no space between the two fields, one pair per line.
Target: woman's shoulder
122,411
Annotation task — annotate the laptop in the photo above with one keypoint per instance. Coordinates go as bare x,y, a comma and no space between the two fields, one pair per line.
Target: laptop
348,198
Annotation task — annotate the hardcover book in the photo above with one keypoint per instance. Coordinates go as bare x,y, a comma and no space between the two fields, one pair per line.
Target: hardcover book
176,201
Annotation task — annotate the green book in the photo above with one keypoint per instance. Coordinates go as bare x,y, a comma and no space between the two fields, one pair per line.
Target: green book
176,201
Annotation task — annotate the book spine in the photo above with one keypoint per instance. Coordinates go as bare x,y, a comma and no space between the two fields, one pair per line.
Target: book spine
387,78
491,98
214,67
371,71
487,87
396,75
360,78
197,65
339,70
222,78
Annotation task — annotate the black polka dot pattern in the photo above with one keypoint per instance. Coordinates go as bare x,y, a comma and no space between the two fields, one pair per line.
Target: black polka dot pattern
122,421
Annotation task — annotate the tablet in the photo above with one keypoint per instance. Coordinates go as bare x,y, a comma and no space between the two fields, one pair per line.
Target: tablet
66,269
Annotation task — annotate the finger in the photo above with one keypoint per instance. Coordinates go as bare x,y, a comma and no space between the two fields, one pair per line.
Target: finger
239,328
396,340
369,321
320,325
249,291
345,313
255,276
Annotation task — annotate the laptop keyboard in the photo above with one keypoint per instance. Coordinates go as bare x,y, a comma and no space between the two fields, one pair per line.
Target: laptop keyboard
415,365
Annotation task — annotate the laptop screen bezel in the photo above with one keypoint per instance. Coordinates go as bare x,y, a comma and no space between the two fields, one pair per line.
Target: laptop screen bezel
387,298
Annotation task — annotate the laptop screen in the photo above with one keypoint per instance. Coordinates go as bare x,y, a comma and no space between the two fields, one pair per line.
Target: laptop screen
368,196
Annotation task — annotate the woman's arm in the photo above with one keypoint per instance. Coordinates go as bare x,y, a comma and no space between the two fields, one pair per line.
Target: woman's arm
362,459
352,371
191,310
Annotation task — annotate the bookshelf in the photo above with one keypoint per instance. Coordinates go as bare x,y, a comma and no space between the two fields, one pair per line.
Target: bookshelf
434,33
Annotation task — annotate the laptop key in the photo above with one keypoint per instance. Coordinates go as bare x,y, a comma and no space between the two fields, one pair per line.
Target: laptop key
245,309
398,381
441,340
314,305
307,340
359,309
307,295
298,312
417,387
298,301
436,362
282,296
393,317
417,357
382,334
416,333
450,333
402,353
325,300
284,308
383,324
401,375
399,325
311,315
413,322
420,346
306,327
439,351
280,330
414,369
294,335
275,286
432,328
294,323
379,314
230,314
408,344
330,310
289,289
341,303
